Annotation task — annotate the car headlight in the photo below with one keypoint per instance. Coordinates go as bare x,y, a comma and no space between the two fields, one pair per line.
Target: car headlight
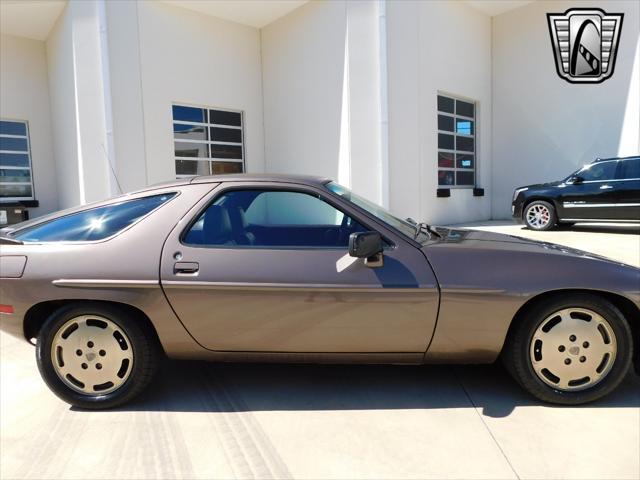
517,191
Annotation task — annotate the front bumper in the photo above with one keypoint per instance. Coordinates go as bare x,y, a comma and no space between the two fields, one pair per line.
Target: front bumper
516,210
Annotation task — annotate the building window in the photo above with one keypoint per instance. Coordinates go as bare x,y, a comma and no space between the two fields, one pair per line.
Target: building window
456,142
16,181
207,141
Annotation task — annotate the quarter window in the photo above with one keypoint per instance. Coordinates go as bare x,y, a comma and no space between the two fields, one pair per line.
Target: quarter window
93,224
207,141
275,219
16,181
456,141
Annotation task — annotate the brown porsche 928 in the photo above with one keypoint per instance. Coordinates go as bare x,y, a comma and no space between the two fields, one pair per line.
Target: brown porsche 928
282,268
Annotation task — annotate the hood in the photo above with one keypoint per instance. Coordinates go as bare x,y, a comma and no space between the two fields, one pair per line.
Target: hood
482,240
542,185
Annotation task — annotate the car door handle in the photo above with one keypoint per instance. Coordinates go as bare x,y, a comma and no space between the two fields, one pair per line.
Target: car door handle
605,187
186,267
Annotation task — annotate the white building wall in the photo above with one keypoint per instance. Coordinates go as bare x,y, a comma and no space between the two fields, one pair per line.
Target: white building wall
303,66
78,106
24,95
545,127
435,46
190,58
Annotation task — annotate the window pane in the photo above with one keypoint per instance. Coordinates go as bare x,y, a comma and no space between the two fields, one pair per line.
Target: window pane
184,149
464,127
465,144
272,219
226,134
14,159
630,168
464,161
445,160
15,191
189,132
192,167
445,123
94,224
464,178
445,104
226,167
13,128
225,118
17,144
445,141
15,175
226,151
599,171
445,177
464,108
188,114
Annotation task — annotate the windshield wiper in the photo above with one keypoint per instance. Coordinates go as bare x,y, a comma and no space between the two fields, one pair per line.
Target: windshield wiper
425,227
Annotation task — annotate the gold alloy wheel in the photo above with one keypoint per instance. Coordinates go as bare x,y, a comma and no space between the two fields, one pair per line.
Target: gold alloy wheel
573,349
92,355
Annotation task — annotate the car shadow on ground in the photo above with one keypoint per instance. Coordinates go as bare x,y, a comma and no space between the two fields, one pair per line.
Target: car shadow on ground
190,386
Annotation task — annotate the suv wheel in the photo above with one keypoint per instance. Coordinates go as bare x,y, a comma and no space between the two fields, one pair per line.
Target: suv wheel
540,215
571,350
95,356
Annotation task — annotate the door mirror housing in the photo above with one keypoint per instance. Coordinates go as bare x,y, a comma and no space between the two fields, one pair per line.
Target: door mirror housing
365,244
577,180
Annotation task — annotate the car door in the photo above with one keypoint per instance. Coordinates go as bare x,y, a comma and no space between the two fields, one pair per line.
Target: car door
591,193
277,279
627,190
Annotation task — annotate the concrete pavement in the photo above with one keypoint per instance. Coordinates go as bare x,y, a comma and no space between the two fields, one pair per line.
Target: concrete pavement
203,420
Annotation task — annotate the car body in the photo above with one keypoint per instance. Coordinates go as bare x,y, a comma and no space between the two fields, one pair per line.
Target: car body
286,282
606,190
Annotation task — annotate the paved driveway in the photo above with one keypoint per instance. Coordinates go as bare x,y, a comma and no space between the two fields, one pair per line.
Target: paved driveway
278,421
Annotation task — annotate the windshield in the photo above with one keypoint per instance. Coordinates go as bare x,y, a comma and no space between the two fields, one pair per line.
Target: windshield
403,226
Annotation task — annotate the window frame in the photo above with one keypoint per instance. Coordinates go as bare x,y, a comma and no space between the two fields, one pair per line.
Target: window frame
210,160
175,194
223,189
455,152
31,183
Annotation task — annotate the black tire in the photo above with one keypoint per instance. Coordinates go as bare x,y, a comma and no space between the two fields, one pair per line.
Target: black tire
143,344
517,359
553,217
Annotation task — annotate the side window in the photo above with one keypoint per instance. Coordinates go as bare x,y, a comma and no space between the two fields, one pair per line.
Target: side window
93,224
629,168
267,218
599,171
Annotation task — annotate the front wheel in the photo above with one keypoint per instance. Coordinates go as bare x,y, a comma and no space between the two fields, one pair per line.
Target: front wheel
571,350
95,356
540,215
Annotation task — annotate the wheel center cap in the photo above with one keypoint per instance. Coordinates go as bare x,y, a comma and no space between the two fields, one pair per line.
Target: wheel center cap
574,350
91,356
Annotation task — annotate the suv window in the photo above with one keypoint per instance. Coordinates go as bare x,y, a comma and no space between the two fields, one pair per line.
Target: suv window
269,218
629,168
93,224
598,171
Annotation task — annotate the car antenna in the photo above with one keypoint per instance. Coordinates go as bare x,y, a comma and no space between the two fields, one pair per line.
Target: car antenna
113,172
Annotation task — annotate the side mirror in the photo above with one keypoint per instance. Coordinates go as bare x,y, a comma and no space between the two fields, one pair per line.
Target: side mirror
367,245
577,180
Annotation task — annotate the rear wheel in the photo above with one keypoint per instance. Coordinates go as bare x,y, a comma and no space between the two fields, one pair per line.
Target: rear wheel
95,356
540,215
571,350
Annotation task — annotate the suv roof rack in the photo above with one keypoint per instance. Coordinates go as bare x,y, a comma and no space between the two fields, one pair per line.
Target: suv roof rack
598,159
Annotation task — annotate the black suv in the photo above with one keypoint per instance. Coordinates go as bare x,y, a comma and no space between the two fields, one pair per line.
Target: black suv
607,190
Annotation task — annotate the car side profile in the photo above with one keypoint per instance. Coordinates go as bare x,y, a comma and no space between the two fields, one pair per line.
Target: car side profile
607,190
300,269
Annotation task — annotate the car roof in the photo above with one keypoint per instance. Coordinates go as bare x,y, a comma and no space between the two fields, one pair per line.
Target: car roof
262,177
